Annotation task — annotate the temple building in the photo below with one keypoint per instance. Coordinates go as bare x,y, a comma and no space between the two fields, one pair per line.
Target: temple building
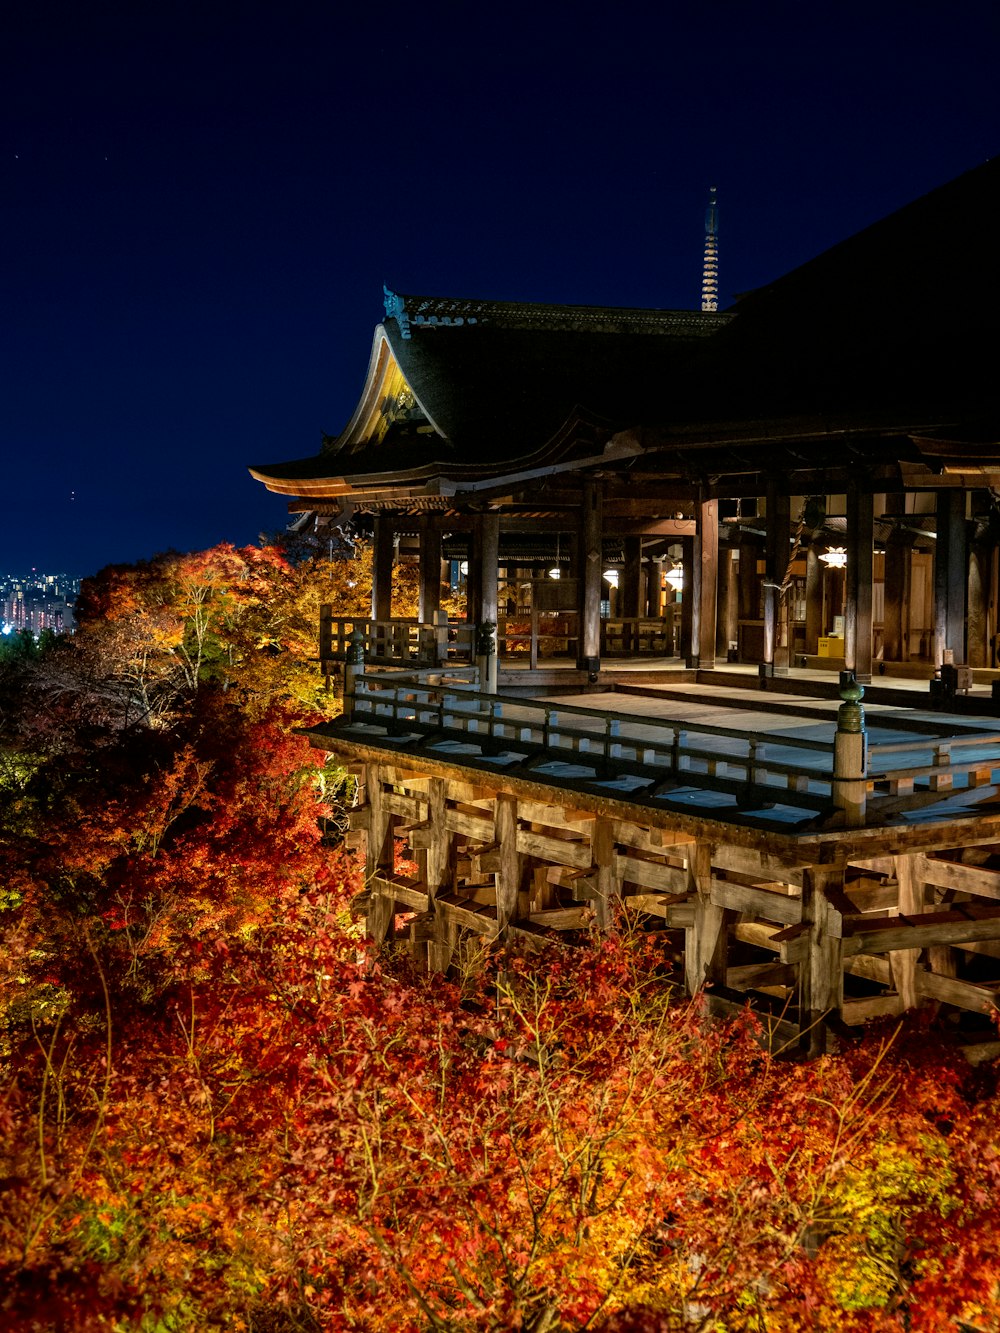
805,481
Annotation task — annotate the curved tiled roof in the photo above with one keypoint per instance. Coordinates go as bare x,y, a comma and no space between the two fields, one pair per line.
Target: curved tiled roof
891,332
501,386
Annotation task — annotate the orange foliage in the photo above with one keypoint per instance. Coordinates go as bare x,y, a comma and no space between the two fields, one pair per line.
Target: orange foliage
221,1110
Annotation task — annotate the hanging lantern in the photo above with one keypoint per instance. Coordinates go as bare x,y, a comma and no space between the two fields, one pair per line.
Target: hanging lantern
835,557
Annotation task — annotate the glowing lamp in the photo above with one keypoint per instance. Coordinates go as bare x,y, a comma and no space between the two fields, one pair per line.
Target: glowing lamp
835,557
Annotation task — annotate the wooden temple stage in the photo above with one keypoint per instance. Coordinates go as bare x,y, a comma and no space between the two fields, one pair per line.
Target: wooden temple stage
825,865
809,479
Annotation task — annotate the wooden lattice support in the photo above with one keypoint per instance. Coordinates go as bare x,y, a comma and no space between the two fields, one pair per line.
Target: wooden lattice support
847,923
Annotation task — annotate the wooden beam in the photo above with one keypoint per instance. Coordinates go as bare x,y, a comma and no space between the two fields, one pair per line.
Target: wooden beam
650,874
963,994
855,1012
934,928
398,891
759,902
557,850
967,879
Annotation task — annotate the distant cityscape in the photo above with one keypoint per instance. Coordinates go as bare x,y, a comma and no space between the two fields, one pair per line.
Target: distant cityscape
37,602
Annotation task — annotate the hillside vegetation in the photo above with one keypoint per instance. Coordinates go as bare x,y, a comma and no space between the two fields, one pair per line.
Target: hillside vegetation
221,1110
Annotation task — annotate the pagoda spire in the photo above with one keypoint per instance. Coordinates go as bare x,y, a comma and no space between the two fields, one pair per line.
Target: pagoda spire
710,267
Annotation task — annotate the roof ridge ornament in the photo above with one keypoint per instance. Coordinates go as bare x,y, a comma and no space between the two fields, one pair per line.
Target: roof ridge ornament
395,308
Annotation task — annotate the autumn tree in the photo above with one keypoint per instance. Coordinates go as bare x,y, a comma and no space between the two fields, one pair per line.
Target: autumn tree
221,1109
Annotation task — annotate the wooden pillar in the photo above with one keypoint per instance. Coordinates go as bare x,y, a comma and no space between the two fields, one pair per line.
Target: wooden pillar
705,940
508,874
776,554
434,858
727,617
748,600
651,571
896,616
689,612
430,569
382,554
903,962
691,606
896,630
631,588
707,562
814,600
821,973
859,578
590,578
379,854
978,650
950,577
484,602
484,567
608,885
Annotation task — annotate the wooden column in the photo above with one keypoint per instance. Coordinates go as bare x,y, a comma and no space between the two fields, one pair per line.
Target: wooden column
631,587
950,577
689,627
508,874
776,562
748,599
978,648
590,578
379,854
430,569
705,940
707,539
896,617
691,604
814,600
749,589
821,975
484,567
903,962
608,887
382,554
651,571
896,631
727,617
859,578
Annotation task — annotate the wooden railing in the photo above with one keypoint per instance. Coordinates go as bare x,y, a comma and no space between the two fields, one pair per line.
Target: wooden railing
390,642
757,769
535,635
753,767
938,766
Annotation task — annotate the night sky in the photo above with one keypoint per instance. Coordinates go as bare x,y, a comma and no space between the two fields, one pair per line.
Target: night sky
201,202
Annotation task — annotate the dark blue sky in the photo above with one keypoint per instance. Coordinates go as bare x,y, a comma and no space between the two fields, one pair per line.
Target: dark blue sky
201,201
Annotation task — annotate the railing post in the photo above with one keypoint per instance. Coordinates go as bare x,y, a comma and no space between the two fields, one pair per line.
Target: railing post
440,621
354,666
486,656
850,754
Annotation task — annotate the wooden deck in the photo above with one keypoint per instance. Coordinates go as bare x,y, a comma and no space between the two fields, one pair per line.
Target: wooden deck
712,816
